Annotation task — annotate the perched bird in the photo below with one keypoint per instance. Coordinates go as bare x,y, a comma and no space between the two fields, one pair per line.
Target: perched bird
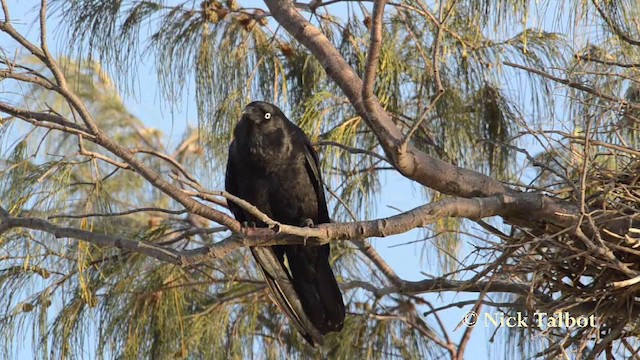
273,166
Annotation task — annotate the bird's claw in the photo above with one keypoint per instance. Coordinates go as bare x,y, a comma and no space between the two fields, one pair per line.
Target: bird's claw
249,224
307,223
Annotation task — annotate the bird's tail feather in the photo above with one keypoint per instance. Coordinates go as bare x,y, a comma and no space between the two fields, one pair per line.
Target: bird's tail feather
284,294
330,297
316,286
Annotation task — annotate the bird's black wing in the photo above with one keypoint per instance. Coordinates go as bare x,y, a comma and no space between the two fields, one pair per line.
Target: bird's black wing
310,264
313,169
276,276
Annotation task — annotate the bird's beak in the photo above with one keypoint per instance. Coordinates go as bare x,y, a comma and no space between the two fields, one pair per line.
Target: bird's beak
250,112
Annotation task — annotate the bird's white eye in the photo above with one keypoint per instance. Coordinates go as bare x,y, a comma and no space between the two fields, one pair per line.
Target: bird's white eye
267,116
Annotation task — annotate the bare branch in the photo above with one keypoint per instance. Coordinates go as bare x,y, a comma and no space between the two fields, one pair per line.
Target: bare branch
373,55
286,234
112,214
5,10
607,62
38,80
370,252
95,155
168,159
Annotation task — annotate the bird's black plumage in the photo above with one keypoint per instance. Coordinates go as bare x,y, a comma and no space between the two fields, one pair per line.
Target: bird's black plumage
273,166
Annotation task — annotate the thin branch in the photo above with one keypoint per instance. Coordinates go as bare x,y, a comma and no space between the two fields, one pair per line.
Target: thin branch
352,150
5,10
191,232
122,213
168,159
163,254
95,155
43,29
416,125
467,332
38,80
607,62
371,253
436,48
614,27
574,85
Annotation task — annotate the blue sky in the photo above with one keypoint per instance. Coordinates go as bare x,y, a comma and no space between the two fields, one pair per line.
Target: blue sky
397,192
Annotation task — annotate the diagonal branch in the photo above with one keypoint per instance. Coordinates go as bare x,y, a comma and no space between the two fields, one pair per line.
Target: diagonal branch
373,55
46,117
104,140
614,27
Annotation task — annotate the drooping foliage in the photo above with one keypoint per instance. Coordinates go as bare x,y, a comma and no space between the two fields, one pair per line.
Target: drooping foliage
493,117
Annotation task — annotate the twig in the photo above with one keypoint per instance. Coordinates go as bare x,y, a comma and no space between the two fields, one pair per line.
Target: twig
416,125
122,213
607,62
168,159
352,150
95,155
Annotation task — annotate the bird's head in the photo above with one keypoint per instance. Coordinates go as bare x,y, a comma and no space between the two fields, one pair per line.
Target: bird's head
263,130
263,115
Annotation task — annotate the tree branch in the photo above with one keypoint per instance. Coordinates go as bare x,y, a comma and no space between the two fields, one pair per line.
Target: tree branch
373,55
145,248
412,163
285,234
40,117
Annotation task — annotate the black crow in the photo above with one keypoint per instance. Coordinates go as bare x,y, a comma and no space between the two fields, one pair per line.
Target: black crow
273,166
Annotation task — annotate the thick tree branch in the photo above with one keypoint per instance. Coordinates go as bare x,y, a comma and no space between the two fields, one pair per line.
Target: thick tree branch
442,284
474,208
285,234
223,248
411,162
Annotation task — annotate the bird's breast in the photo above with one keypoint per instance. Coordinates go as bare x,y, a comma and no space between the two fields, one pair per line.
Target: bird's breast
283,190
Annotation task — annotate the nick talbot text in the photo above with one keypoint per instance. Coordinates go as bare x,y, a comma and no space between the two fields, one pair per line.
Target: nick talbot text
541,320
